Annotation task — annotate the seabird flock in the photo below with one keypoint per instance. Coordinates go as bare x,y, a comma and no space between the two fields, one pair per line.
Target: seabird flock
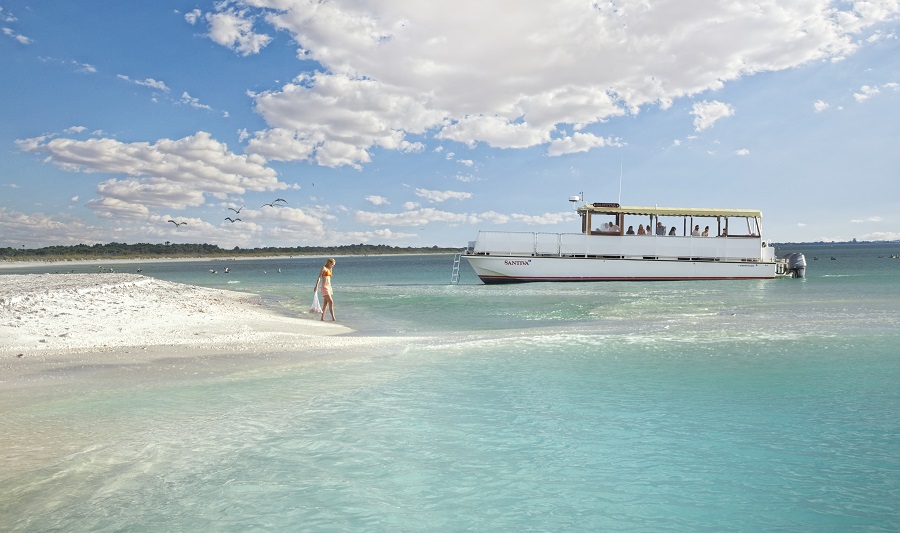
274,203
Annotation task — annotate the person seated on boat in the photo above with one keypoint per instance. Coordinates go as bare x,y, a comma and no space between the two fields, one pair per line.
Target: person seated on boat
705,232
630,230
696,232
641,230
660,229
671,231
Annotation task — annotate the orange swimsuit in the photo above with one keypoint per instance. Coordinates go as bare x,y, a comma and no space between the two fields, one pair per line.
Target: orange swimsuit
326,281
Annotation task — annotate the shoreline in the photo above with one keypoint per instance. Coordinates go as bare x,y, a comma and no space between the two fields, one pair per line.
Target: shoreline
59,326
11,264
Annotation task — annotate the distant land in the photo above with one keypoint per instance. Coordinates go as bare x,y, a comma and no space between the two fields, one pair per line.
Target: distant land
168,250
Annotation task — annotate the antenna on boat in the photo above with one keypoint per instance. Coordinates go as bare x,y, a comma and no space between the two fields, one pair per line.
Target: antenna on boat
621,165
577,198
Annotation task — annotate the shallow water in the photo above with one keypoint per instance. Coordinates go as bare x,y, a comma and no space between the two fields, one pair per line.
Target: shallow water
682,406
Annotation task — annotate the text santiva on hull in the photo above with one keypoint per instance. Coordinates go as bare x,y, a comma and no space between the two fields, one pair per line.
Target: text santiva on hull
631,243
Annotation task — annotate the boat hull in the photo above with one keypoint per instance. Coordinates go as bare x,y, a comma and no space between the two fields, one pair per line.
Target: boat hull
494,269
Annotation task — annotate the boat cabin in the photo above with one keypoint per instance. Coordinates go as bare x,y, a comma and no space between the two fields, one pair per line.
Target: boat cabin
613,219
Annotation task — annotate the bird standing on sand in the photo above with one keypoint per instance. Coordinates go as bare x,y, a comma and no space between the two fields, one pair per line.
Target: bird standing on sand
178,223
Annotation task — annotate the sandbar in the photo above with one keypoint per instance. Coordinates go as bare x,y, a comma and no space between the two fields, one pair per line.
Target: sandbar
55,326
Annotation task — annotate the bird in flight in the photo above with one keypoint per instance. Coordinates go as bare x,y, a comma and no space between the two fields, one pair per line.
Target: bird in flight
178,223
236,211
279,200
270,205
232,220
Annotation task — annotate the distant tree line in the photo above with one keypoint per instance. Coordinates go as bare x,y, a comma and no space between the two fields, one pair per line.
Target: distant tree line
115,250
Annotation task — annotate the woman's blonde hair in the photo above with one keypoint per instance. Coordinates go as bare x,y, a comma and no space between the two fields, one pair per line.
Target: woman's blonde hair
330,260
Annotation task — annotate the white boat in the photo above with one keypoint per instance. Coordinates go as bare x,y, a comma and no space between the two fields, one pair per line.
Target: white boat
732,247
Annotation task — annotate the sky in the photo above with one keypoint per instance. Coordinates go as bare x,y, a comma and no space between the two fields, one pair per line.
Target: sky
330,122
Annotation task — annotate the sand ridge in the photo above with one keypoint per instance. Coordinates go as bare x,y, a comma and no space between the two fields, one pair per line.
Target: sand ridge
45,314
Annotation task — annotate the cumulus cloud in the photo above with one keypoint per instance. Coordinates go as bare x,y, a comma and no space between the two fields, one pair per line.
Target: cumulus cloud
377,200
392,68
708,113
167,173
742,151
865,92
869,91
440,196
579,142
234,29
192,16
820,105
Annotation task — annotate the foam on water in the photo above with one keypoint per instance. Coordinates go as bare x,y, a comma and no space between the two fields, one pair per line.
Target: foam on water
722,406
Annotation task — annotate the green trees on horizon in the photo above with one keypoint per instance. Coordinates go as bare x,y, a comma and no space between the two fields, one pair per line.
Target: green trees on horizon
168,249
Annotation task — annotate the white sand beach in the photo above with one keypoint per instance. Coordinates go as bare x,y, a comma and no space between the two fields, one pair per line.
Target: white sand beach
64,325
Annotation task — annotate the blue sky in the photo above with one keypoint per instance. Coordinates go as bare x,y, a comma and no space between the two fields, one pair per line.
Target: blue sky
419,123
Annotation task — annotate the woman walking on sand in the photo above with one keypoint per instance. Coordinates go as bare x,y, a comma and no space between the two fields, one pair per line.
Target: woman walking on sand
325,276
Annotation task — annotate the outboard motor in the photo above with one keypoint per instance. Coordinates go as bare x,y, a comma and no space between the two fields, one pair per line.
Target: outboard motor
796,265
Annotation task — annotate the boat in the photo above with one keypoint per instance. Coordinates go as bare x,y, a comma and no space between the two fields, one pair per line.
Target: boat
702,244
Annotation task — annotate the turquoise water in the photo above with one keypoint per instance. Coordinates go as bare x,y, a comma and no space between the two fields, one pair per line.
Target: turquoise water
671,406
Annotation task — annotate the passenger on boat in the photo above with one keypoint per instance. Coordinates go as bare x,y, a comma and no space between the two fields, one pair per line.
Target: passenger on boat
671,231
660,229
630,230
705,232
696,232
641,230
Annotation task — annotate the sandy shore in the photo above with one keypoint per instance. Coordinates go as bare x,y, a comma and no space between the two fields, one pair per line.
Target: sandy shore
54,325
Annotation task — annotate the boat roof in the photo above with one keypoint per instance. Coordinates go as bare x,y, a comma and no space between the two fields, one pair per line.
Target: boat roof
612,209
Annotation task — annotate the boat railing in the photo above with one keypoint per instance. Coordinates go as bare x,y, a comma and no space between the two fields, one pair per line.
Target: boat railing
619,246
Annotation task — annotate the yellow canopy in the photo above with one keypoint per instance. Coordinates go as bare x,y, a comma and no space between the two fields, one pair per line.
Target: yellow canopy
613,209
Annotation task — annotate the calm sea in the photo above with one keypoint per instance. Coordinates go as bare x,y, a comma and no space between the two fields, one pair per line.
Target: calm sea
667,406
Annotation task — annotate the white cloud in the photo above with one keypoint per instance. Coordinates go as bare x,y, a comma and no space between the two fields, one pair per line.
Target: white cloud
440,196
881,236
16,36
337,119
420,217
820,105
579,142
377,200
707,113
149,82
417,217
742,151
192,16
393,67
74,129
865,92
234,29
168,173
193,102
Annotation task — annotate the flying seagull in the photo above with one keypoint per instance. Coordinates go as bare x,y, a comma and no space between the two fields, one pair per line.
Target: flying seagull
233,220
270,205
178,223
236,211
279,200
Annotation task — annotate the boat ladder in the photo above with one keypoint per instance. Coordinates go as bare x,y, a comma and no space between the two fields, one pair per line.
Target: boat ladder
454,276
